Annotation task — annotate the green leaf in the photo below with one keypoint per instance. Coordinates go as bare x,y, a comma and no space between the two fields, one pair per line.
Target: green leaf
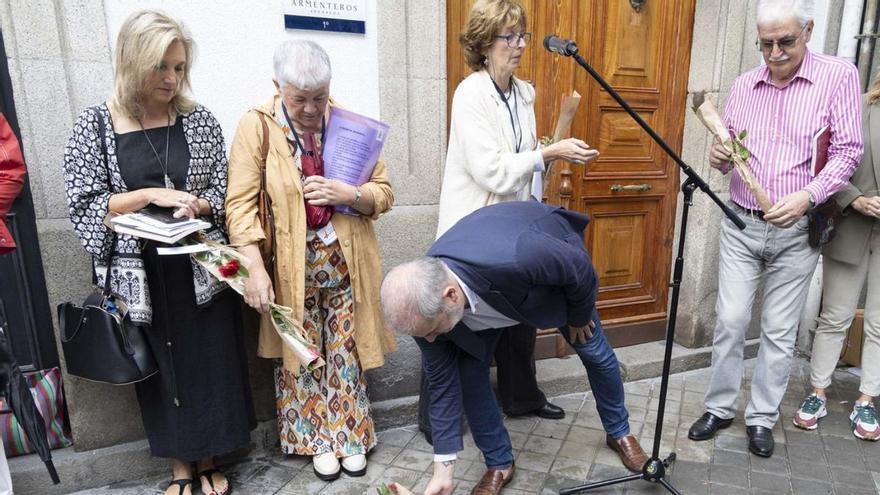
743,135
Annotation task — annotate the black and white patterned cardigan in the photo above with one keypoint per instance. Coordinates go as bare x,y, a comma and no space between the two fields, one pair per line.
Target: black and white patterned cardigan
89,191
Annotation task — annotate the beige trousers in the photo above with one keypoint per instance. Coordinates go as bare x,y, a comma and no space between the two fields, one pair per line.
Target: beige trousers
842,285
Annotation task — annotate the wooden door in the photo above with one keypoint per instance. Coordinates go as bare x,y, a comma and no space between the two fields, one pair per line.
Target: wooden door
630,192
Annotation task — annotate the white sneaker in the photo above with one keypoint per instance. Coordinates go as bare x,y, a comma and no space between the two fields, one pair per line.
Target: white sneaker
863,421
326,466
355,465
811,411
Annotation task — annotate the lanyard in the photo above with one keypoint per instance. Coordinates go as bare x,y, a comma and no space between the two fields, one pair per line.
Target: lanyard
296,134
513,122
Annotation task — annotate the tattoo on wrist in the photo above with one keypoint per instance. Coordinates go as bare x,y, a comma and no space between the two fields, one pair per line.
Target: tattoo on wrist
448,463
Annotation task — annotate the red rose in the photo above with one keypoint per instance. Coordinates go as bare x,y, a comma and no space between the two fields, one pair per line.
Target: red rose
229,269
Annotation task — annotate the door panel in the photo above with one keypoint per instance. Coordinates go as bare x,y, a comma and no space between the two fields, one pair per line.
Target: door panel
631,191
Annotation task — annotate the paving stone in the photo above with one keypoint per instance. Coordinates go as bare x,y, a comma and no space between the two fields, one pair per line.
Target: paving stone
533,462
414,460
851,477
777,464
730,458
770,482
717,489
397,436
551,429
810,471
543,445
731,443
571,468
729,475
555,482
527,480
807,487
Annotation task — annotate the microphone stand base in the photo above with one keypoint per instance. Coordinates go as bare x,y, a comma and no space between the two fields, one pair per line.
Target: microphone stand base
654,471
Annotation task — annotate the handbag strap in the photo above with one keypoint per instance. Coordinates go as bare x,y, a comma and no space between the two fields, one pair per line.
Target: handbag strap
264,151
102,137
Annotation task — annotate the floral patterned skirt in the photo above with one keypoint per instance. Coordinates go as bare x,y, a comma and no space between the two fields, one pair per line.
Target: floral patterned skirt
326,410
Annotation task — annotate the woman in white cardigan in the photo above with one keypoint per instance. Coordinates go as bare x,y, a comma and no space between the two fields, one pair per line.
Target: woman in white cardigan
493,156
493,152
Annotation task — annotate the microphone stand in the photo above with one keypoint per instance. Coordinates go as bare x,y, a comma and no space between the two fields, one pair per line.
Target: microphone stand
654,470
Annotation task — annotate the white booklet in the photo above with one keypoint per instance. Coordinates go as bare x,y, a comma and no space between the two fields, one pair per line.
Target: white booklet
158,226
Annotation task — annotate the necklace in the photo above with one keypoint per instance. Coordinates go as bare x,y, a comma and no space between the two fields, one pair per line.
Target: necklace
168,183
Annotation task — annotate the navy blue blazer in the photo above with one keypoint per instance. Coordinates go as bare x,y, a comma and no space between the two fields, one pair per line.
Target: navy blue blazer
526,260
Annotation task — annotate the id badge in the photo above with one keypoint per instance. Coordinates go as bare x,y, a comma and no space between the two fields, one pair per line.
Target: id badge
327,234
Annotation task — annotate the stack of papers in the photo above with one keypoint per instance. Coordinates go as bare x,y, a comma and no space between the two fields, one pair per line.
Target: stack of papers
159,226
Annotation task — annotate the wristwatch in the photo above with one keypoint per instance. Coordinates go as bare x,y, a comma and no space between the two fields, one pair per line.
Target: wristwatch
357,196
812,201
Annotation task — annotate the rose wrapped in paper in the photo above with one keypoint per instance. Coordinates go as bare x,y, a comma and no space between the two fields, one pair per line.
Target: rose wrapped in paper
230,266
709,116
393,489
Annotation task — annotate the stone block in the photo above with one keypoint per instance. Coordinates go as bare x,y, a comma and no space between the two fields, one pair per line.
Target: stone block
35,24
425,27
85,30
405,233
393,30
394,108
704,47
91,83
399,377
46,101
418,166
7,31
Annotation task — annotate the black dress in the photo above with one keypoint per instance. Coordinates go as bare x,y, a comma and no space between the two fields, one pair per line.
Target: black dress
199,404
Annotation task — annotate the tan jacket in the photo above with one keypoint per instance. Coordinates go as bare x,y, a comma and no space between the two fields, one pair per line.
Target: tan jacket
356,236
853,230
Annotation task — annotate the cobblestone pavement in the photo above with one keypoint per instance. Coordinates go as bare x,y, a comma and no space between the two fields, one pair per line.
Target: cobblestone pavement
554,454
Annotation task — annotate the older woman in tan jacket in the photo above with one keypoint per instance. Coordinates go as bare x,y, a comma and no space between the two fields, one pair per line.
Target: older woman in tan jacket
327,268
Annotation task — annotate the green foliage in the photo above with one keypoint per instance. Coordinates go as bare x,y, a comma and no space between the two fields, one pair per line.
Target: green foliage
739,148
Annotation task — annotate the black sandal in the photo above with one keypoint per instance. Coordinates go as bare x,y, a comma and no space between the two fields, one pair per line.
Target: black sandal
181,484
209,475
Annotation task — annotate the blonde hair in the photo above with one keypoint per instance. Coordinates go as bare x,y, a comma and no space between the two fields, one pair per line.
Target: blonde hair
143,40
874,93
486,19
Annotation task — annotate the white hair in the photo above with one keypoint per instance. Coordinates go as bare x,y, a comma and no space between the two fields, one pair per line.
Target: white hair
302,64
768,11
413,292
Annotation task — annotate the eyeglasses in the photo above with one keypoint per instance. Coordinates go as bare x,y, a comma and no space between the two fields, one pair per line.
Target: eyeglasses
514,39
784,44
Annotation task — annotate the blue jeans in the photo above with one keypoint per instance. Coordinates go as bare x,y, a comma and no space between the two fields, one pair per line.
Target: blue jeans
457,380
603,374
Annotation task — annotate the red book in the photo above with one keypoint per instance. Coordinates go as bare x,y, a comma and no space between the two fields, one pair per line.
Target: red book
821,141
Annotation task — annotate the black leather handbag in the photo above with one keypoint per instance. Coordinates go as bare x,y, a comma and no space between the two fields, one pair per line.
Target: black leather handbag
100,342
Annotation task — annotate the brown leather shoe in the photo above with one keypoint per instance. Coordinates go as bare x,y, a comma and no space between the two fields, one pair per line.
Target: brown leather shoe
492,482
630,452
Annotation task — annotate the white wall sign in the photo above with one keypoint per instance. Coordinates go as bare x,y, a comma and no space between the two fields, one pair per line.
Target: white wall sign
344,16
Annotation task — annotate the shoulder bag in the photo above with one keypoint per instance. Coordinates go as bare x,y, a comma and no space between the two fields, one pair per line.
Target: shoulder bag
99,340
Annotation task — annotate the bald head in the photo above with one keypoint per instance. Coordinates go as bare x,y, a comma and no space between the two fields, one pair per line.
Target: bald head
421,298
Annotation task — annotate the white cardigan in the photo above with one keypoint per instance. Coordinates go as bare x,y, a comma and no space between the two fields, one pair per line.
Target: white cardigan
482,167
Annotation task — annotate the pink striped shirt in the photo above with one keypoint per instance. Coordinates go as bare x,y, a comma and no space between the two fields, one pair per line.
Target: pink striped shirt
781,123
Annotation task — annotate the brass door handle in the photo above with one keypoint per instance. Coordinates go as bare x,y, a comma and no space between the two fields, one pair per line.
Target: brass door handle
632,187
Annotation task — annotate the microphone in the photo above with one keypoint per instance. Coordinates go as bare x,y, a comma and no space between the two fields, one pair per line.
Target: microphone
562,46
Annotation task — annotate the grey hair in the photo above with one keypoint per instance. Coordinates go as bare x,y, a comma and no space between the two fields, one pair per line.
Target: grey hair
302,64
412,293
781,10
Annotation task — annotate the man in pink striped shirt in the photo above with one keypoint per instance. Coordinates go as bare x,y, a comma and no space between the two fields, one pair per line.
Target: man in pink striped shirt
781,105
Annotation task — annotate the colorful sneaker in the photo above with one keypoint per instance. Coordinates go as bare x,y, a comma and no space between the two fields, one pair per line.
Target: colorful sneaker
812,409
863,421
